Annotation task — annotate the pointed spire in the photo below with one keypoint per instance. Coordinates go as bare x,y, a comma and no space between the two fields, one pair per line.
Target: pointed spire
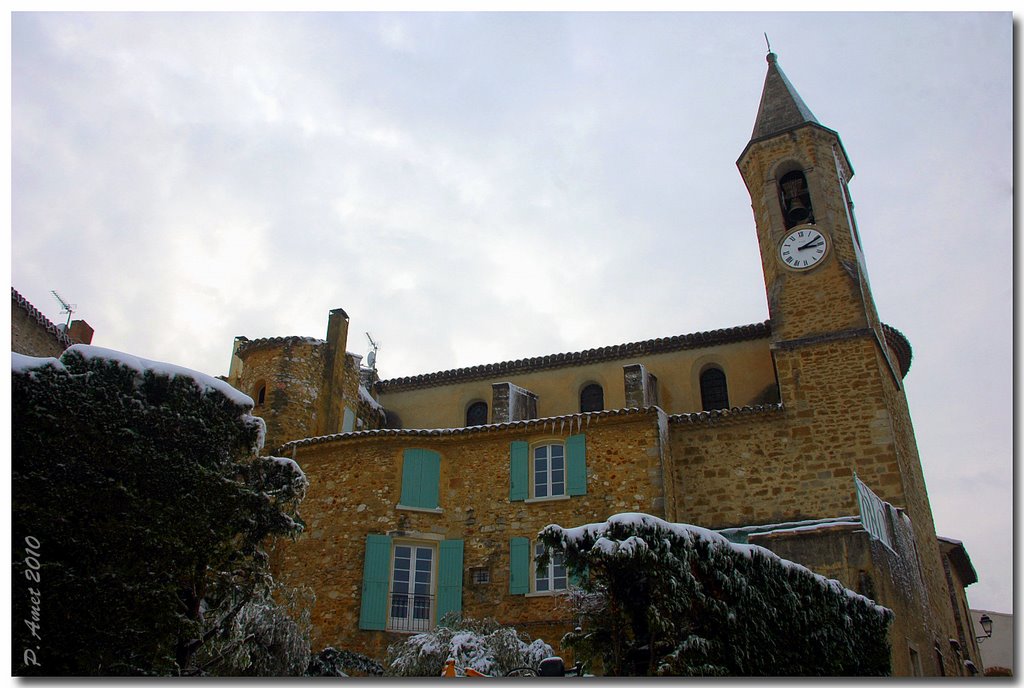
781,106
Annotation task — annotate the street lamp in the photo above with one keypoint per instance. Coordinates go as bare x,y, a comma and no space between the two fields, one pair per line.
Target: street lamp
986,625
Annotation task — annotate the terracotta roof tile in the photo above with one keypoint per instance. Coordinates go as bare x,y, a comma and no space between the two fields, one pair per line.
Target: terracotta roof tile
580,421
608,353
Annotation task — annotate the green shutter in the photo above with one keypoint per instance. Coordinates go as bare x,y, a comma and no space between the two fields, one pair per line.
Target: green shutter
376,566
576,465
421,478
519,569
348,422
449,579
519,468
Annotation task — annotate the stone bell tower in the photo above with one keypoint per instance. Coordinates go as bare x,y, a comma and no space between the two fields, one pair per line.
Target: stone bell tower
840,370
796,171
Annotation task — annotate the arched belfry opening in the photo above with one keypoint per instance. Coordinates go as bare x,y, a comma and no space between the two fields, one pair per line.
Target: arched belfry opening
795,197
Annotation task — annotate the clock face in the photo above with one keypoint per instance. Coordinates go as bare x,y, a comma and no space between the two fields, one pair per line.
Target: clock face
803,248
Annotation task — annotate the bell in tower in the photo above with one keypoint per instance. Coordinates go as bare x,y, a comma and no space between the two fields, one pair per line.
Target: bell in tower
796,199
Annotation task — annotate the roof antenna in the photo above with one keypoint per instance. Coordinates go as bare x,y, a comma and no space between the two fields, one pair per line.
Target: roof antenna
767,42
66,307
371,358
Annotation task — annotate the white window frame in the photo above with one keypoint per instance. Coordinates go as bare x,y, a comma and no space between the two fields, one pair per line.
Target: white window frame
420,589
548,472
549,578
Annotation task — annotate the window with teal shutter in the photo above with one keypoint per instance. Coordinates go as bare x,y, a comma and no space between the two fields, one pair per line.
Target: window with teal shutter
576,465
449,584
519,567
374,600
519,468
421,479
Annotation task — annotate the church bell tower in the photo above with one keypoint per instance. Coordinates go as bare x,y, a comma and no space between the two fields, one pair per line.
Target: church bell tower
840,370
797,171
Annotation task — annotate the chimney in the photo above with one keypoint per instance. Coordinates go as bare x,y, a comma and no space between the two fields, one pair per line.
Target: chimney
80,332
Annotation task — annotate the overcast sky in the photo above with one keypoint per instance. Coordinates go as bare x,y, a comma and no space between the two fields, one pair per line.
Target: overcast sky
474,188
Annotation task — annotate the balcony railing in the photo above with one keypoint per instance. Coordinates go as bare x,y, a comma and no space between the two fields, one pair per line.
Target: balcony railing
411,612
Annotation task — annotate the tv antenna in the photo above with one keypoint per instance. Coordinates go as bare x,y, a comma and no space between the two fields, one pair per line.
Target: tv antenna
66,307
371,358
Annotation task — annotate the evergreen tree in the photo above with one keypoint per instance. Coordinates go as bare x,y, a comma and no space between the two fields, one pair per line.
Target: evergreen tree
140,509
661,598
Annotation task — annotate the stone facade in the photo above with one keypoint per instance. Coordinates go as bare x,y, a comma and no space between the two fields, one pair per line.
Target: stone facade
356,487
809,412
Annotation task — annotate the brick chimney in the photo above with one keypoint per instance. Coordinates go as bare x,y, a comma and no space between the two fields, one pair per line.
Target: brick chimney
80,332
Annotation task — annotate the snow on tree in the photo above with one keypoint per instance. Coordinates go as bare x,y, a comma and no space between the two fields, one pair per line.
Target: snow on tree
483,645
137,486
660,598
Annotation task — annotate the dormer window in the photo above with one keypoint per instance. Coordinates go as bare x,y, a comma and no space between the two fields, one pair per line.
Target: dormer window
796,199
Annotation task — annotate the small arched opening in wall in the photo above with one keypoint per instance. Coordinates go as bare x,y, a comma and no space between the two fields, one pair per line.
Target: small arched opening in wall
591,397
476,413
794,194
259,393
714,388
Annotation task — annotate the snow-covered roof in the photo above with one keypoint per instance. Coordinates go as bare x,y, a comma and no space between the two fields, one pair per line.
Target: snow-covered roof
959,559
574,422
735,413
741,534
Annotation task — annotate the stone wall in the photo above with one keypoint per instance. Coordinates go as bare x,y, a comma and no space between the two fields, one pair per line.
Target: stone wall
747,364
355,485
292,369
30,337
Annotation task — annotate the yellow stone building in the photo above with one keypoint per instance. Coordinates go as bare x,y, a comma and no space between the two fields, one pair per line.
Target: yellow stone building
427,492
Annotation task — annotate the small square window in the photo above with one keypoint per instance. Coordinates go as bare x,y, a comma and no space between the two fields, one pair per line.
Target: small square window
481,576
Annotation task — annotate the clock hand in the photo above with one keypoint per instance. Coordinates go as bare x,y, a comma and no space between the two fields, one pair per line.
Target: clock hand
810,244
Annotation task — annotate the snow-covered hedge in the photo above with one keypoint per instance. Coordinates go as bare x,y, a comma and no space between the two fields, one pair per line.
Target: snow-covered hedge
674,599
136,488
483,645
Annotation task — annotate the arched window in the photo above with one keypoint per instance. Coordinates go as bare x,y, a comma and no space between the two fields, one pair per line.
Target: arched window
713,391
476,414
592,398
261,393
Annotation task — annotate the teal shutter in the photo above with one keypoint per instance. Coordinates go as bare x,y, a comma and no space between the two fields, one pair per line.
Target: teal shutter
519,468
449,579
519,569
374,601
348,422
421,478
576,465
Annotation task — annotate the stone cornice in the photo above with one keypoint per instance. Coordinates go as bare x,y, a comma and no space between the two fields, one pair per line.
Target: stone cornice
247,346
